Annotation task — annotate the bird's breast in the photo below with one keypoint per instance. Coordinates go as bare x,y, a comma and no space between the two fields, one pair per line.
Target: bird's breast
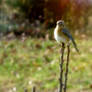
58,36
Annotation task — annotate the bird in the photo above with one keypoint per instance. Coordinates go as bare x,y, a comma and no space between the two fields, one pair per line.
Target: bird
62,34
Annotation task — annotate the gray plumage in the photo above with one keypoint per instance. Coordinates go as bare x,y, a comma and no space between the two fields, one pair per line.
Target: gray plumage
67,33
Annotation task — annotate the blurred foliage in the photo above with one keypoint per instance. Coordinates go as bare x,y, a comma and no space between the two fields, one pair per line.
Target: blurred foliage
53,10
0,1
47,12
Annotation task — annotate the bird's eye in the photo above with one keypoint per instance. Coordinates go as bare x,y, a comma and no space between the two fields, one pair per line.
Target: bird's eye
60,23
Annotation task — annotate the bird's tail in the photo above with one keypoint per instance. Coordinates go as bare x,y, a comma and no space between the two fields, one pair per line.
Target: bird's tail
75,46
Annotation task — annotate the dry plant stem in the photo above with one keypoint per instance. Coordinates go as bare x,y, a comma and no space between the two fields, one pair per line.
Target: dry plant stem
61,68
25,90
67,64
34,89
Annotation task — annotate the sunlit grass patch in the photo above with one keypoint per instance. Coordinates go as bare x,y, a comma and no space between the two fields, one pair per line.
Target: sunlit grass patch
36,62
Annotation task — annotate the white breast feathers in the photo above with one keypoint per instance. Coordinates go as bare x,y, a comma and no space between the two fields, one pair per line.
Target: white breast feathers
57,37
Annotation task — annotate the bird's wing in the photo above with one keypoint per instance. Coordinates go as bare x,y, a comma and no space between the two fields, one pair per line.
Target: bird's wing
67,33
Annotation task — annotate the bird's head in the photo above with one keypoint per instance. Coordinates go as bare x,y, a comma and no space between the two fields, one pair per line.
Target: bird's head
60,23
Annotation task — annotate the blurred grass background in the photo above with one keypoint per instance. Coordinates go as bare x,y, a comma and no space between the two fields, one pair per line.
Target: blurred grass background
28,53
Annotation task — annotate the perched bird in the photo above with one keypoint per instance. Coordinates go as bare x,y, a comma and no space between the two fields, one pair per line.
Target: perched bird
62,34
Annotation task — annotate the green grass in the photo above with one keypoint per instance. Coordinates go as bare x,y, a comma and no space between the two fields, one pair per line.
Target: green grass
36,62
